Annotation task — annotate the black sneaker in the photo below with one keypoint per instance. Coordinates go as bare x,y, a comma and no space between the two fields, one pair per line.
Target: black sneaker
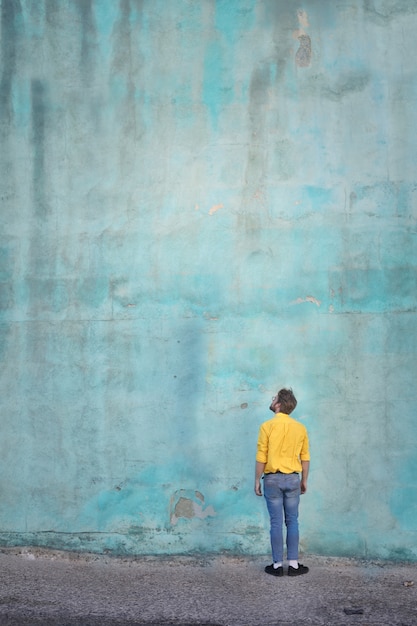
297,571
275,571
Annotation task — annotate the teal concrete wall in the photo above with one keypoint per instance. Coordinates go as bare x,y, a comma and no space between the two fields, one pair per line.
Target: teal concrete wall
203,201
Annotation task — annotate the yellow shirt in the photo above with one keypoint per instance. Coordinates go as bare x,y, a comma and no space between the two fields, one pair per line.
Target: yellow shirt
282,444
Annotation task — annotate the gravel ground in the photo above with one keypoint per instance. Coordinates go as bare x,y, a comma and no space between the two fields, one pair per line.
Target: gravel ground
49,588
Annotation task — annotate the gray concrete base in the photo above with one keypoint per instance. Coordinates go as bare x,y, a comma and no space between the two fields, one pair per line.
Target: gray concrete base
52,588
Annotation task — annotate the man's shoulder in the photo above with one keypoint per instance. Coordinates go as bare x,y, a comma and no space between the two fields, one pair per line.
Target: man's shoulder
281,418
267,423
298,424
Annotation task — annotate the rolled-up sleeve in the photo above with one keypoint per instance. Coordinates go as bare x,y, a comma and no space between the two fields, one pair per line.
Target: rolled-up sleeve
262,447
305,450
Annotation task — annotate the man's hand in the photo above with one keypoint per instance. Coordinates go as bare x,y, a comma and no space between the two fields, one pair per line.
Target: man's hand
304,475
259,470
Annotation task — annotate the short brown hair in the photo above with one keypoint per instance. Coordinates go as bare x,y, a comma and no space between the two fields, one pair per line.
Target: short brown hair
287,400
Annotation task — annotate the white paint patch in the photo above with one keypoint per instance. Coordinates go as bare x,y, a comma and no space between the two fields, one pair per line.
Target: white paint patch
307,299
215,208
303,18
303,22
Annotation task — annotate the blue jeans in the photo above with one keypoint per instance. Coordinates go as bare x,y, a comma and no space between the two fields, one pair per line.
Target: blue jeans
282,495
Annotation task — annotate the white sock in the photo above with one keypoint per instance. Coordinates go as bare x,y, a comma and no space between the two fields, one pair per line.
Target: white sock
277,565
293,564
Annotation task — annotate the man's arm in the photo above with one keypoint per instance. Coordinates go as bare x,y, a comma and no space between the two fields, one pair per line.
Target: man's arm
304,475
259,470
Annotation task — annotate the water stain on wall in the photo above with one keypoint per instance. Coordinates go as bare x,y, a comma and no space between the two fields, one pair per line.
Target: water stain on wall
345,84
383,11
38,139
10,12
256,158
88,34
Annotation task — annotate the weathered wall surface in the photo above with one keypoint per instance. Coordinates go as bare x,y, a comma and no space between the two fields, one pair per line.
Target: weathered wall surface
202,201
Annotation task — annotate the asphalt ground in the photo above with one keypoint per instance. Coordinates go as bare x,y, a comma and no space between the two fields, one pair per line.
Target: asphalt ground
48,588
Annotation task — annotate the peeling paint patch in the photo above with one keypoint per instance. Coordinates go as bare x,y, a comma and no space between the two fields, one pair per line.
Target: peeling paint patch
303,54
199,495
189,505
307,299
215,208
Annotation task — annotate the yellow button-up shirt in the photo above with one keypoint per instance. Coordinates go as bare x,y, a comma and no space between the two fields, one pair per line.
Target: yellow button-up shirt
282,444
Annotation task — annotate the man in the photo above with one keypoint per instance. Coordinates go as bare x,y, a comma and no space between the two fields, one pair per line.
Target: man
282,454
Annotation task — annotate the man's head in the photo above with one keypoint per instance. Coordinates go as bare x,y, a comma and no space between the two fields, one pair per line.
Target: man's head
284,402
